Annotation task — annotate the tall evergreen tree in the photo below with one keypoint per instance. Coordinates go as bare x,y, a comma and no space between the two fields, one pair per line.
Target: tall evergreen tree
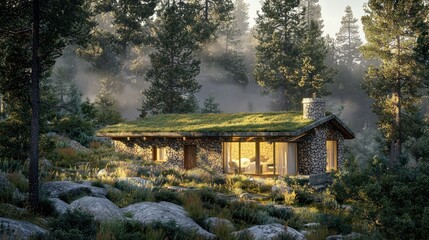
279,33
392,32
16,40
290,54
348,39
313,11
210,106
174,67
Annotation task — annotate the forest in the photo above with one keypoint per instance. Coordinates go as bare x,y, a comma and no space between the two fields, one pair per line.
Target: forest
70,68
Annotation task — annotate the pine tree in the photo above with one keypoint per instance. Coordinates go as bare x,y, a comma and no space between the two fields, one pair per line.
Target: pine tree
392,32
174,67
290,54
229,39
313,11
348,40
210,106
279,32
18,30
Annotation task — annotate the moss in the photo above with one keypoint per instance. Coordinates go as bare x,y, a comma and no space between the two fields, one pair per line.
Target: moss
224,122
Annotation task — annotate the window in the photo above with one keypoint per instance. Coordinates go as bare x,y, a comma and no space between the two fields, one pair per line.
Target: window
260,158
266,158
331,156
286,158
159,153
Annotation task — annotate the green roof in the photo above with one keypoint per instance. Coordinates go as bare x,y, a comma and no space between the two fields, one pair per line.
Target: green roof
202,123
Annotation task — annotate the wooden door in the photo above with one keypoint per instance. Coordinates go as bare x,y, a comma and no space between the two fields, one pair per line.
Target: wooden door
190,160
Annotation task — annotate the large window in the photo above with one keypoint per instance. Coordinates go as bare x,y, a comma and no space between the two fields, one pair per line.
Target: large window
331,156
159,154
260,158
286,158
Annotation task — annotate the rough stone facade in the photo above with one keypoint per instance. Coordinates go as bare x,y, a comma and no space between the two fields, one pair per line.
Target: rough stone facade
312,149
209,151
313,108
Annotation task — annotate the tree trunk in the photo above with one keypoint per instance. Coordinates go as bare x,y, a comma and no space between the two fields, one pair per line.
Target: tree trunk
396,142
33,192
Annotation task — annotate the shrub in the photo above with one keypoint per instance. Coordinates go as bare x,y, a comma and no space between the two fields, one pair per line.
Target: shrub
168,196
8,165
19,181
75,194
280,213
250,213
171,231
120,230
193,205
335,224
72,225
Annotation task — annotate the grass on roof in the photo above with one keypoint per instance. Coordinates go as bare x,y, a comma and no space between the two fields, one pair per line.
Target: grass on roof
223,122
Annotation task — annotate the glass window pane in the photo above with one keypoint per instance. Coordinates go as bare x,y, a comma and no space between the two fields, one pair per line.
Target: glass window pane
266,158
248,157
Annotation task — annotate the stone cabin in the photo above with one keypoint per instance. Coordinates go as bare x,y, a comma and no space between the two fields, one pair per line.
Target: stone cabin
266,144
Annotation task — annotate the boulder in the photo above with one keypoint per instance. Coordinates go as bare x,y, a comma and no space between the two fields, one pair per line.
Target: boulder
101,208
135,181
311,225
59,205
57,188
350,236
14,230
165,212
278,190
270,231
212,223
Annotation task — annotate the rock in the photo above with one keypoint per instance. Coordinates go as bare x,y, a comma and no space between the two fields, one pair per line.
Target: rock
213,223
270,231
278,190
165,212
77,146
13,229
57,188
102,209
59,205
102,173
350,236
253,197
135,181
311,225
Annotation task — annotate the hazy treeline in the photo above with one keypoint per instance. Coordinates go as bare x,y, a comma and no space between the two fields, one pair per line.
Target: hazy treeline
227,66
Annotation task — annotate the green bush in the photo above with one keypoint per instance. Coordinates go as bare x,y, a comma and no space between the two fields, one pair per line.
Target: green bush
121,230
335,224
72,225
250,213
167,196
75,127
280,213
75,194
389,200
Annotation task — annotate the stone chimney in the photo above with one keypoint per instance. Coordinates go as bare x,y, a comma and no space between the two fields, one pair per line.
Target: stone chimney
313,108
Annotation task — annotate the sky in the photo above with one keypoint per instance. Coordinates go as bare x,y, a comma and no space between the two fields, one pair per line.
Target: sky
332,12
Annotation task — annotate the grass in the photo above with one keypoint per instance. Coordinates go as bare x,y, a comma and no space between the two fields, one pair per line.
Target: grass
223,122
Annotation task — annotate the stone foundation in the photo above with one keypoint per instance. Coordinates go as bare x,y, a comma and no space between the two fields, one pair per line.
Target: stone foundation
209,151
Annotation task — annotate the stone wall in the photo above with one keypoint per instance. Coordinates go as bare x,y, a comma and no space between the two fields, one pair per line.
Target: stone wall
209,151
313,108
312,149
